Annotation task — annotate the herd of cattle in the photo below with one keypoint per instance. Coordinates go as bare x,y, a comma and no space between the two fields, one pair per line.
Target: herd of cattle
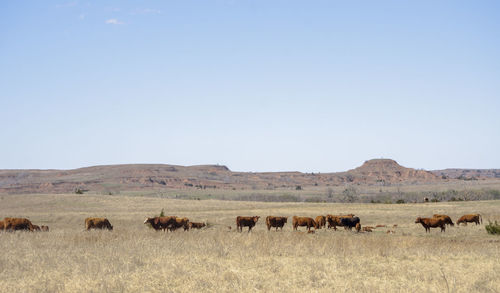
172,223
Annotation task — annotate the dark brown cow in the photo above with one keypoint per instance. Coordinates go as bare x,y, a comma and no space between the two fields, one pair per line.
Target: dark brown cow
471,218
160,223
446,219
179,223
246,222
44,228
194,225
277,222
429,223
321,221
97,223
304,221
36,228
12,224
334,221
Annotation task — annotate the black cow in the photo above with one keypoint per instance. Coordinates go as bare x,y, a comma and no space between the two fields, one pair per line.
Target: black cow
349,223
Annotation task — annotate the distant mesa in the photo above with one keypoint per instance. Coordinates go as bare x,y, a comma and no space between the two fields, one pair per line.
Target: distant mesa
110,179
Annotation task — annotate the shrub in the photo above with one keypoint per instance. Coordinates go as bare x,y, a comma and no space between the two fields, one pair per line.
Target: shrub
162,213
493,228
435,200
400,201
298,187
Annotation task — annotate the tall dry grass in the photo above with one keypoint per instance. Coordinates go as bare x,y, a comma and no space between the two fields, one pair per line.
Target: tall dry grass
134,258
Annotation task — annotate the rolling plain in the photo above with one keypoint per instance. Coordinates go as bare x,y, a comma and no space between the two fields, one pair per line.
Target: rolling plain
135,258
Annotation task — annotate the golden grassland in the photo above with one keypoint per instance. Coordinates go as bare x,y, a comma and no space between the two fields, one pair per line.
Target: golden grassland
135,258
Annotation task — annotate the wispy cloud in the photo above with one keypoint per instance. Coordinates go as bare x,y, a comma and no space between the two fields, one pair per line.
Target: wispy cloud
114,21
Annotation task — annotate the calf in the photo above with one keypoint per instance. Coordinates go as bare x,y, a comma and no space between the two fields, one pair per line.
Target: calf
194,225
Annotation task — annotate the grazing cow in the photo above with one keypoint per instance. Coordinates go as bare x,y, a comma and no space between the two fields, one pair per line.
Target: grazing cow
358,227
334,221
446,219
276,222
44,228
321,220
429,223
471,218
36,228
179,223
194,225
160,223
97,223
12,224
304,221
349,223
246,222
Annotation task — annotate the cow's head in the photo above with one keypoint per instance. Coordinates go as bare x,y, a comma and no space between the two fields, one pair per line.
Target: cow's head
418,220
255,218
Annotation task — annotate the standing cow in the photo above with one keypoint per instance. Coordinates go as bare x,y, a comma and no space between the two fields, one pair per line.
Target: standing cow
472,218
97,223
304,221
349,222
429,223
246,222
160,223
446,218
276,222
13,224
321,221
179,223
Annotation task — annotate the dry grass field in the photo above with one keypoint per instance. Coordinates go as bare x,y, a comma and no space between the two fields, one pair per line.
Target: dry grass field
135,258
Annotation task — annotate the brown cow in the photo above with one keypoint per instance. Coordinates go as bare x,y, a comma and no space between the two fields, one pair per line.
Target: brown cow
179,223
321,220
44,228
12,224
334,221
471,218
1,225
446,219
194,225
429,223
304,221
358,227
367,229
246,222
97,223
277,222
36,228
160,223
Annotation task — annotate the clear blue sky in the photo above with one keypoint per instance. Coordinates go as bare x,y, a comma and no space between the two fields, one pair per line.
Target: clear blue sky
312,86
